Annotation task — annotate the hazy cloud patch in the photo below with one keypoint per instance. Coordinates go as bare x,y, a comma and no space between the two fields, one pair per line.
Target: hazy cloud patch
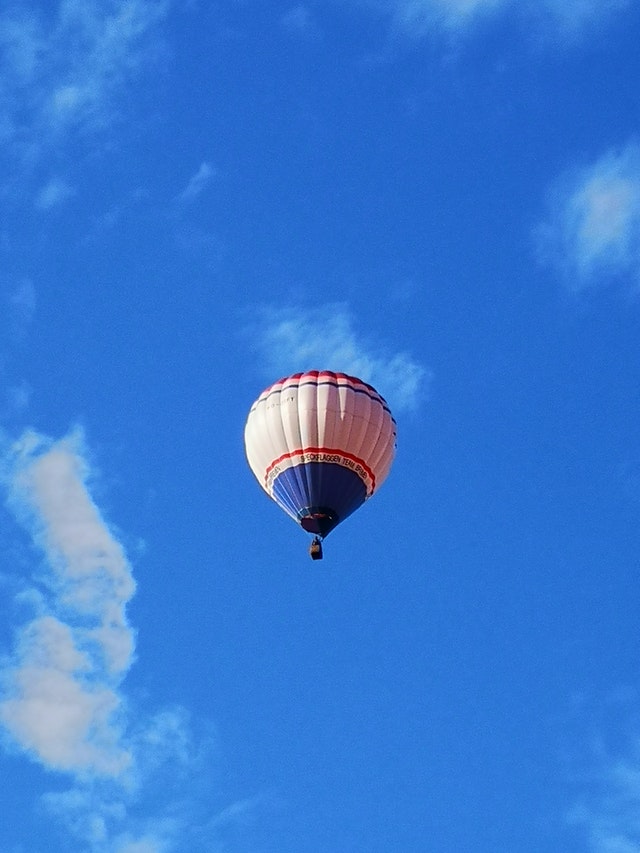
61,71
53,194
22,308
573,17
607,809
289,340
592,234
299,20
16,399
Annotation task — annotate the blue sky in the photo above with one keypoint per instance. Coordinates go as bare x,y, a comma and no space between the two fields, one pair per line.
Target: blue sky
440,196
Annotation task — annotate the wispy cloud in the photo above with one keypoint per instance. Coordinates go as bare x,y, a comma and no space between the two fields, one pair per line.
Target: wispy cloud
198,182
156,808
293,339
417,17
420,17
299,20
592,234
62,70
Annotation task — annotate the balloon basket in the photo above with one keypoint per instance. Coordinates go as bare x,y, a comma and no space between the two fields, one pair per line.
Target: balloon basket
315,549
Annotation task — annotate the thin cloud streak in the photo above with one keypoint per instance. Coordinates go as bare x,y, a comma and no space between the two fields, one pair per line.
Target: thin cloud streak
592,234
198,182
289,340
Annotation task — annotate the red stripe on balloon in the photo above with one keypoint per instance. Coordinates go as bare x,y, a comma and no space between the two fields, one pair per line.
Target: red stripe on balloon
350,456
324,377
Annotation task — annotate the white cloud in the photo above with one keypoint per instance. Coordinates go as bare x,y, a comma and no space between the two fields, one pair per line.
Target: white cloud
139,783
592,235
198,182
290,340
50,711
60,700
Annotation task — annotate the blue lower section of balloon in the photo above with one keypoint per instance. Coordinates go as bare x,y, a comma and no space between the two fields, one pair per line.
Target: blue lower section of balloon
319,488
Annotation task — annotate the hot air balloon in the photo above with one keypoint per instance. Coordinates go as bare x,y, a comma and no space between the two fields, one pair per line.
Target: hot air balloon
320,444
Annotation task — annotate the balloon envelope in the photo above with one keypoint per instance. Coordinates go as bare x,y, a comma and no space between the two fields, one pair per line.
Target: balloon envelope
320,444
